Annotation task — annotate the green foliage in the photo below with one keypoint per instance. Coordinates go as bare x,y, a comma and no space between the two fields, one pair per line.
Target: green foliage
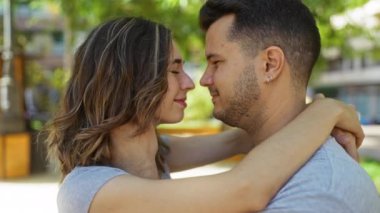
59,78
34,79
182,17
323,11
35,75
44,88
199,103
372,167
178,15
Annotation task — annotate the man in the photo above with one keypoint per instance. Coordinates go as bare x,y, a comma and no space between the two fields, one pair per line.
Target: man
260,55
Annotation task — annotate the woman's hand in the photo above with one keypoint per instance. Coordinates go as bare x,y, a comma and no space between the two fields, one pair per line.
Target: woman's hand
347,141
351,138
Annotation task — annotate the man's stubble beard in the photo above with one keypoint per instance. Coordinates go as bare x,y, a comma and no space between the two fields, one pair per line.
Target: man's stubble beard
245,96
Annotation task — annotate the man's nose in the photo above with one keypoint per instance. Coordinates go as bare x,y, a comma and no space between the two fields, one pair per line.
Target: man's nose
206,79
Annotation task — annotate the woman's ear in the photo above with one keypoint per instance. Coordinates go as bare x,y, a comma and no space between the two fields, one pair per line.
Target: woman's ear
275,60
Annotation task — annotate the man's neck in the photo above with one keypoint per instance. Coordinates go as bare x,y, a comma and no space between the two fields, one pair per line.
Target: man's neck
277,115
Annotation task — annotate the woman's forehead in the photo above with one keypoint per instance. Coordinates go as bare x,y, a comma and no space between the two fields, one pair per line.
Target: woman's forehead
175,51
175,56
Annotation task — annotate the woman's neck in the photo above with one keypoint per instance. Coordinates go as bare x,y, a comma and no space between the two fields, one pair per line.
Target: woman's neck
135,154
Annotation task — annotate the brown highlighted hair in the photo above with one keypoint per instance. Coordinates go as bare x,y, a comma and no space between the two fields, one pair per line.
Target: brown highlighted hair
119,76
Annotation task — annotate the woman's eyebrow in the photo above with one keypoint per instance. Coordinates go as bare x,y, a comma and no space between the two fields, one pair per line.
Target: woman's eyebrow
178,61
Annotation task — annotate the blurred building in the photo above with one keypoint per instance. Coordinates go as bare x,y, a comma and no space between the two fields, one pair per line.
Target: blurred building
40,32
356,80
38,48
39,43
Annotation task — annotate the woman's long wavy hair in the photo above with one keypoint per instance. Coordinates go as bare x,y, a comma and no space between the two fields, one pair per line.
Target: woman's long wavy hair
119,76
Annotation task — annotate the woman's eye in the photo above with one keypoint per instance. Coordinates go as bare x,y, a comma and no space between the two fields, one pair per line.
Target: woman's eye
174,71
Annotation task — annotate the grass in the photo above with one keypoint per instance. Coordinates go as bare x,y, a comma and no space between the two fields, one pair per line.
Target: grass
373,169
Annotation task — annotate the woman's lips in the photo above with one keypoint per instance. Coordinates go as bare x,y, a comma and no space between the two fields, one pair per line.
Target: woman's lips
181,102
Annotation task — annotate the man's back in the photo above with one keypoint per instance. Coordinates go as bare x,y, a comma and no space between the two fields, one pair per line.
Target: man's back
329,182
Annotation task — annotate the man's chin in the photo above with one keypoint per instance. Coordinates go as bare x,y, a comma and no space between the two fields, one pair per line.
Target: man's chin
222,116
217,114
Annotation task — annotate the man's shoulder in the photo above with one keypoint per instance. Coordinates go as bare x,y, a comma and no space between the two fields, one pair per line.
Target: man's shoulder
330,178
330,165
316,174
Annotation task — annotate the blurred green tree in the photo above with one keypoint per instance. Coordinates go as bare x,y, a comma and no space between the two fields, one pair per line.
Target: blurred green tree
179,15
323,10
182,17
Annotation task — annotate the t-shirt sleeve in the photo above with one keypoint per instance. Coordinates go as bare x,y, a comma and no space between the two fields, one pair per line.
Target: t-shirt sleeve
80,186
308,202
330,182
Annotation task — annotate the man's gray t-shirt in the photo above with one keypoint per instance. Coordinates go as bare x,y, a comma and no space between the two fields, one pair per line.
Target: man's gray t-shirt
331,181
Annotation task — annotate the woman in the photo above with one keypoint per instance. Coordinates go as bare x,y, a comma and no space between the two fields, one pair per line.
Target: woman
127,78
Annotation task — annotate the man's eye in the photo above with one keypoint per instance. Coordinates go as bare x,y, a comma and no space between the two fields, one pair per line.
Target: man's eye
216,62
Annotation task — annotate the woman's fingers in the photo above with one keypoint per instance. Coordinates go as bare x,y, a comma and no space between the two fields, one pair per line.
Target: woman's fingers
349,120
347,141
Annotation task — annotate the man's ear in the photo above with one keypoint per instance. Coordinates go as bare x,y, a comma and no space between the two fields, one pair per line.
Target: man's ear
274,58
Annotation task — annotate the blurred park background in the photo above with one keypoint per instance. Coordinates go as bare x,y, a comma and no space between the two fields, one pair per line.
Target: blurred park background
38,39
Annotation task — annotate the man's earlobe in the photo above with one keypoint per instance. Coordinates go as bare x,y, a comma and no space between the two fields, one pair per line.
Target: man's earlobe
268,79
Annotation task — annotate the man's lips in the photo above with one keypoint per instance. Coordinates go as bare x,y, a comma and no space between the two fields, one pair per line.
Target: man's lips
214,94
213,98
181,101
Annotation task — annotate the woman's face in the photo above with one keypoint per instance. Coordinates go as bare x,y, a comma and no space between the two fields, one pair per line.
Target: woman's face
172,107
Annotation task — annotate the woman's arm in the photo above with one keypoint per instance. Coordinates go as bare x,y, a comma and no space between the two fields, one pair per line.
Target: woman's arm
189,152
249,186
194,151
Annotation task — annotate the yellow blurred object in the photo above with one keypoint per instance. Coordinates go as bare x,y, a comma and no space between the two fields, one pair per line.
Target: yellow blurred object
189,131
191,127
14,155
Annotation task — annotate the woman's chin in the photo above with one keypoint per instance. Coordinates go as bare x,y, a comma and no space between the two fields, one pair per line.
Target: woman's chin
172,120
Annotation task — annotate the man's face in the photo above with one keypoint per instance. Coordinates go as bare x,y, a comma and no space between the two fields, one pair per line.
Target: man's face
230,76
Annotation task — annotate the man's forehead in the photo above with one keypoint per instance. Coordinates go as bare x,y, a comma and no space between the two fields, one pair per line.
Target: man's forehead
221,26
217,34
213,43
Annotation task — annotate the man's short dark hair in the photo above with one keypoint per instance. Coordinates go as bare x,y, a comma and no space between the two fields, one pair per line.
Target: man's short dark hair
258,24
